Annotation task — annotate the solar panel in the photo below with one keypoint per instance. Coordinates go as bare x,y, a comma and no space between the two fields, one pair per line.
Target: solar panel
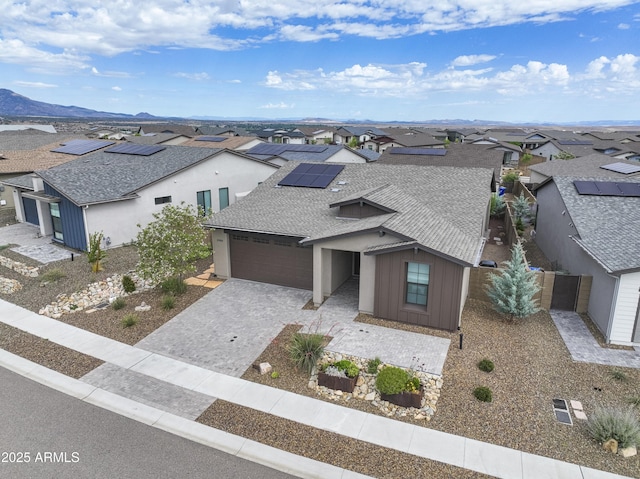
215,139
277,149
624,168
418,151
311,175
575,142
133,149
80,147
607,188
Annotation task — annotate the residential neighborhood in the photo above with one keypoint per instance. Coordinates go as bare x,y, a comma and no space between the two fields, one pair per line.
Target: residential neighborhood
384,240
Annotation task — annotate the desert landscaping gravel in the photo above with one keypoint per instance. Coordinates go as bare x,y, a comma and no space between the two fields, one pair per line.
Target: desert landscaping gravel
532,367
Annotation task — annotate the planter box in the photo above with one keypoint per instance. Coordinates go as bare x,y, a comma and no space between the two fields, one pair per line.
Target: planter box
405,399
335,382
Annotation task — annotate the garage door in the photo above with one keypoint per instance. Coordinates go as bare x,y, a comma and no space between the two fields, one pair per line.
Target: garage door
271,259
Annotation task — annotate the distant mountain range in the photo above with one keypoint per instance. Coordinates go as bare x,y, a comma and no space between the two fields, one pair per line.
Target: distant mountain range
12,104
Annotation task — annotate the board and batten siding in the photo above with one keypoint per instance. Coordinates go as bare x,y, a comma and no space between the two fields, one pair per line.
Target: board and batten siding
73,229
625,308
444,295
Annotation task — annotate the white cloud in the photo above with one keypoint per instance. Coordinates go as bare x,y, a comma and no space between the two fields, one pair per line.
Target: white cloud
468,60
277,106
116,88
624,26
109,28
31,84
202,76
18,52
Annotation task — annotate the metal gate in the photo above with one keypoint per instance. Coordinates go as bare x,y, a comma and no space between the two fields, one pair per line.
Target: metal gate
565,292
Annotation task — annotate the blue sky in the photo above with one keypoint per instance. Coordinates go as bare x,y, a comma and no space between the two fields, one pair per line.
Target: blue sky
384,60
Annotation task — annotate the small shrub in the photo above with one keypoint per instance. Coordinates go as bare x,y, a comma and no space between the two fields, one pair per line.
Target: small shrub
306,349
52,275
618,375
510,177
118,303
129,320
486,365
73,307
173,285
634,401
372,365
392,380
128,285
168,302
482,393
275,375
349,368
413,384
618,424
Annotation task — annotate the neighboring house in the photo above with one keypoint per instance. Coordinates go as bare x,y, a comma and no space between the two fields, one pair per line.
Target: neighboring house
410,234
212,130
282,136
409,139
36,127
317,135
115,189
456,154
345,134
175,128
590,226
26,151
587,166
237,143
281,154
510,152
158,139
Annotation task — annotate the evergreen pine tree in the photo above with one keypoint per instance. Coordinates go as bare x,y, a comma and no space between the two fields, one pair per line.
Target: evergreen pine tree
512,289
521,206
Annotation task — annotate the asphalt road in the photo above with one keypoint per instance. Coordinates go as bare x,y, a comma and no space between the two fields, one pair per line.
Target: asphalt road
57,436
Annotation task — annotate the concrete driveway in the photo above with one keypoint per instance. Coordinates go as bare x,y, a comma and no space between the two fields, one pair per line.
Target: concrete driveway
227,329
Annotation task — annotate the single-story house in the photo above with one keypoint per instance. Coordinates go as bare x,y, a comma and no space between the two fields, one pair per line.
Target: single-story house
593,165
116,188
410,234
590,226
279,154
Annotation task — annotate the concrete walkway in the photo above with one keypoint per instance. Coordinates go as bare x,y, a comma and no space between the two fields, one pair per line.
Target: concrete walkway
32,245
205,383
584,348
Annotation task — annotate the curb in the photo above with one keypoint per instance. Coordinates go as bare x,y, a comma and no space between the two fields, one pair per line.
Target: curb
241,447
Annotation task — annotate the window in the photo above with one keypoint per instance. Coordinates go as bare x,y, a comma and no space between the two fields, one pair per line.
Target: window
417,283
163,199
223,196
204,201
56,220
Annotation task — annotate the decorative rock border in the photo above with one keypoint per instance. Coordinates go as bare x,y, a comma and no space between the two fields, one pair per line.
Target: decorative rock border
9,286
365,389
100,292
21,268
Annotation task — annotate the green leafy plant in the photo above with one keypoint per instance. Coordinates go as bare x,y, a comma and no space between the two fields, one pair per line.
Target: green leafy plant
168,302
173,285
621,425
306,349
618,375
52,275
128,284
129,320
372,365
95,254
73,307
510,177
497,205
118,303
483,393
394,380
275,375
486,365
345,366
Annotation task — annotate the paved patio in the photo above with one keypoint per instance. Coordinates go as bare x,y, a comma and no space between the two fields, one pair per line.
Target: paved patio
31,244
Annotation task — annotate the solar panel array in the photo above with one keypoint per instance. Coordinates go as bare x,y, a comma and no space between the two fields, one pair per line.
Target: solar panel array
624,168
311,175
575,142
80,147
134,149
418,151
278,149
607,188
215,139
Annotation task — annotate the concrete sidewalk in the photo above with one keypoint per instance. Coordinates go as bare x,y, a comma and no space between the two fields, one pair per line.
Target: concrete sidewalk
206,386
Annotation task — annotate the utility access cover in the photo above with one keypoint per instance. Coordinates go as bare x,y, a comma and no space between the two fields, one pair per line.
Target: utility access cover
561,411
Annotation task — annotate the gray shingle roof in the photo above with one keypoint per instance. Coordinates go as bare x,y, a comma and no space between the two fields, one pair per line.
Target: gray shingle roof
442,208
608,226
102,177
581,166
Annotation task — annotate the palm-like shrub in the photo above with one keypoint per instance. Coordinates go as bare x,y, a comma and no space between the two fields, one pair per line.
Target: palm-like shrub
306,349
